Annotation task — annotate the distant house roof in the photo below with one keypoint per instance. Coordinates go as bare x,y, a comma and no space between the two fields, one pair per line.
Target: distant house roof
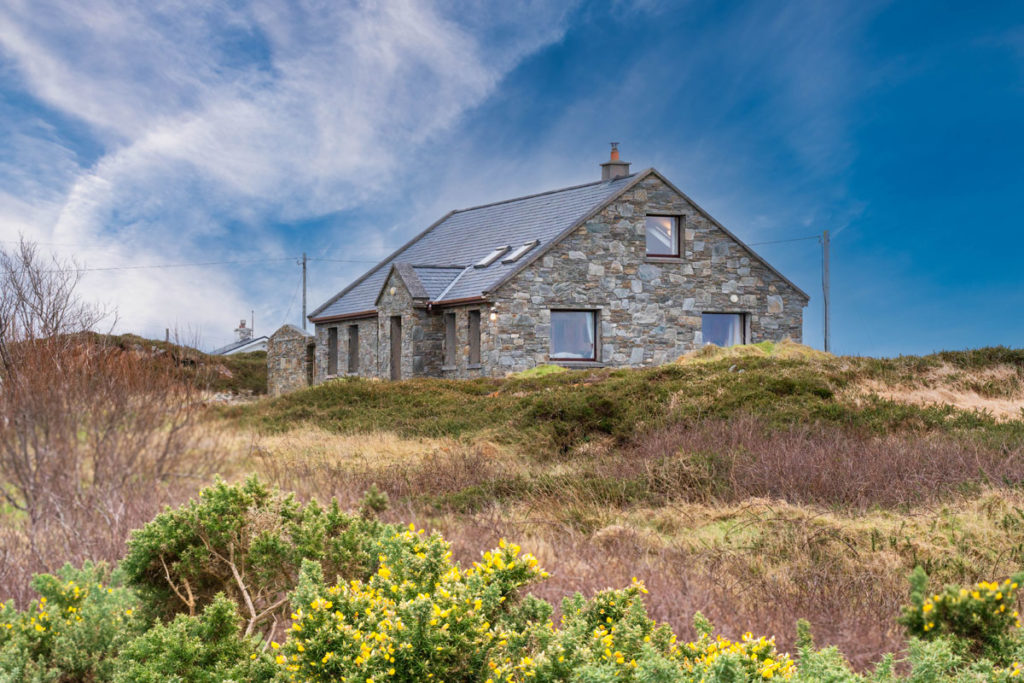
255,344
443,263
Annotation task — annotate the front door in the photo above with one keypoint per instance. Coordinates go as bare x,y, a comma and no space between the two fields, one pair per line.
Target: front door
396,347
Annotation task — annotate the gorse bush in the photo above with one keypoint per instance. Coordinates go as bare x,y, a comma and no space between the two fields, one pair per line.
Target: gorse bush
205,592
979,620
75,630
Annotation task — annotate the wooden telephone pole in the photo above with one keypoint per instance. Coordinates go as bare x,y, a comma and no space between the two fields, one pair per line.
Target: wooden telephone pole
303,291
825,285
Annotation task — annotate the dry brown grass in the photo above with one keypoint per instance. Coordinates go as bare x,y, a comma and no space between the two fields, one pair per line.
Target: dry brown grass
750,561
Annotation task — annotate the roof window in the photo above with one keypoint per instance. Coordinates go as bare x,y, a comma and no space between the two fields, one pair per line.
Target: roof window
492,257
518,253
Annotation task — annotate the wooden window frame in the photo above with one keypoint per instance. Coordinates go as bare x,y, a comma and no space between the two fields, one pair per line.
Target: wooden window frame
597,335
744,325
677,234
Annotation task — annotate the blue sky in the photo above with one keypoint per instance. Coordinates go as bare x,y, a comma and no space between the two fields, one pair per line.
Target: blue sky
141,134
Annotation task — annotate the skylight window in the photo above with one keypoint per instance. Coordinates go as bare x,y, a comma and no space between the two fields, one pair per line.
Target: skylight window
518,253
492,257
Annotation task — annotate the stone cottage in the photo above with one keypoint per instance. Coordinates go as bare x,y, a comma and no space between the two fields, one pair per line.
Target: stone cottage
625,271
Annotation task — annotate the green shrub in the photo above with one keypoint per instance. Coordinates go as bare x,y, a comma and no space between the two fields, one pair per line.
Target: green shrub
978,621
247,541
417,617
204,649
74,631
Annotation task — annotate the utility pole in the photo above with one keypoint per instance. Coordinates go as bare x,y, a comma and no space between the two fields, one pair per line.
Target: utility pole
825,288
303,291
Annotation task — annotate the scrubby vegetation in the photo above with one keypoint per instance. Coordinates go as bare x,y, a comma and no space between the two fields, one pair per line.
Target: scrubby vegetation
754,485
233,587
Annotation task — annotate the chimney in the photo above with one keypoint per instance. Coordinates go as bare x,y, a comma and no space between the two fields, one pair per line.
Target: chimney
613,168
243,333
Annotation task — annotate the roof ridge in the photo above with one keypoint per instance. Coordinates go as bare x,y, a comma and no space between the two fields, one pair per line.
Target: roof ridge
540,194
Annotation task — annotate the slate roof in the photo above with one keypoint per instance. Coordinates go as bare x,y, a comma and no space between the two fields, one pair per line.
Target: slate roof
438,264
443,254
235,345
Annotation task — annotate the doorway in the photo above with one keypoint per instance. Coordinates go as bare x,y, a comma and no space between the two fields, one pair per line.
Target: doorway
396,347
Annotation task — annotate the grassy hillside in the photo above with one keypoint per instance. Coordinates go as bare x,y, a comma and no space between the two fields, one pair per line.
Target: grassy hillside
757,484
556,412
240,373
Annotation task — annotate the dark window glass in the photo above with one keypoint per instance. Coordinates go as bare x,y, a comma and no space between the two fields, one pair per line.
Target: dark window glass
353,348
723,329
474,337
332,350
662,236
573,335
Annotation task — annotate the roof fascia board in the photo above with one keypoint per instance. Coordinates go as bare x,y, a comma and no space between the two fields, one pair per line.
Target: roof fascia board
457,302
568,231
358,315
380,265
724,229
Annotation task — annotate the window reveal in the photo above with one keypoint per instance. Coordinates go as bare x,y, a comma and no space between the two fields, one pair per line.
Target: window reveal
723,329
662,235
574,335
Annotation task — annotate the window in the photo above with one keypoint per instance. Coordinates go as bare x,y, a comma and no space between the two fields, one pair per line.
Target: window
474,337
574,335
449,339
332,350
662,235
492,257
518,253
724,329
353,348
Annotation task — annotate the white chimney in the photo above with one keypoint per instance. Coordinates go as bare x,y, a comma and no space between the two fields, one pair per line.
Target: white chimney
243,333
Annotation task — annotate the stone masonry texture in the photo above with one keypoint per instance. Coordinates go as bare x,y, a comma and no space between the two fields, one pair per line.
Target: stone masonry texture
288,367
649,308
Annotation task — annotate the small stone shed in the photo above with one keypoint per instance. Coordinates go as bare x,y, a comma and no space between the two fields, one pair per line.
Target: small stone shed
624,271
289,360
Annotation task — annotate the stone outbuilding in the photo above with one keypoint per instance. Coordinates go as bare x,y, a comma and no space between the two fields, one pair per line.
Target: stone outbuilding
289,360
625,271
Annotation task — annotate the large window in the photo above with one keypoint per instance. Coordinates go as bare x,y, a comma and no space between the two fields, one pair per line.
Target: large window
724,329
353,348
474,337
662,235
574,335
332,350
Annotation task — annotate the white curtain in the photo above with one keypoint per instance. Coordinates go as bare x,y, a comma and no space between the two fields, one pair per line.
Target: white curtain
723,329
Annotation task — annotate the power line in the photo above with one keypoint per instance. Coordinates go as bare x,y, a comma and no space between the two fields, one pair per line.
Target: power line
343,260
794,239
167,265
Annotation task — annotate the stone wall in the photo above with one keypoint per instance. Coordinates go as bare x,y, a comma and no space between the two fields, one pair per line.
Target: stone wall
649,308
367,366
462,369
289,366
422,332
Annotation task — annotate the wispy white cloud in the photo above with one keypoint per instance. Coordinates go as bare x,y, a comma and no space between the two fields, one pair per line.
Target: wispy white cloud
218,122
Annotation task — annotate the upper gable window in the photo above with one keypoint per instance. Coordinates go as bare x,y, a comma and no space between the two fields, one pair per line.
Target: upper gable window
518,253
492,257
662,235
